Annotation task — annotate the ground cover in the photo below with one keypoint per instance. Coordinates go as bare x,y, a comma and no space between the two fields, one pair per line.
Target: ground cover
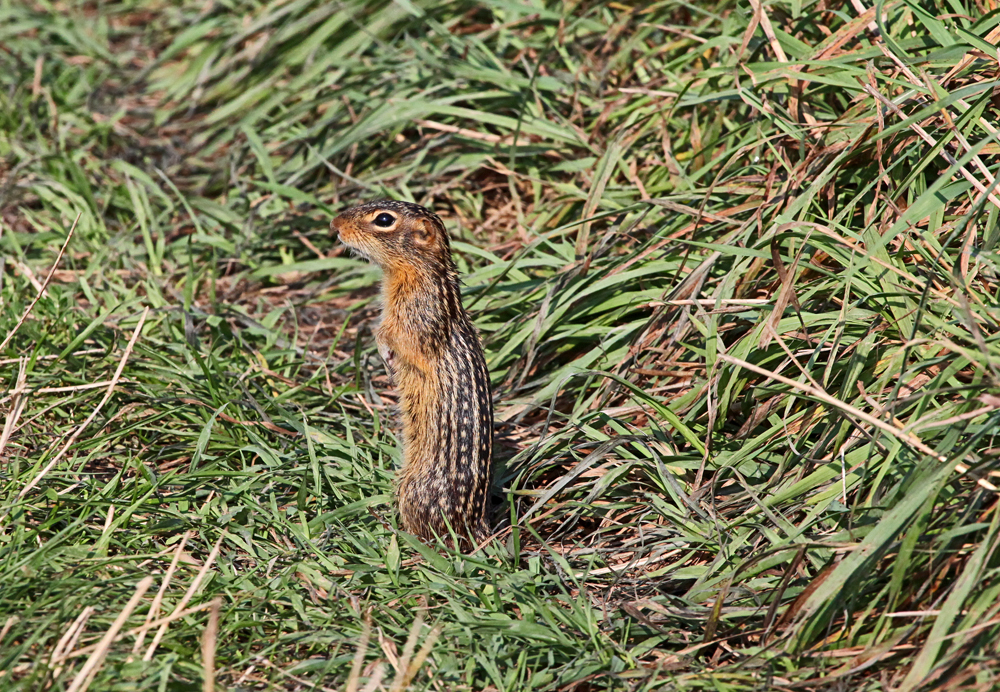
734,266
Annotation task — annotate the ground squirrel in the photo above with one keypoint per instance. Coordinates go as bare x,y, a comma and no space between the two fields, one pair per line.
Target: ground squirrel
434,357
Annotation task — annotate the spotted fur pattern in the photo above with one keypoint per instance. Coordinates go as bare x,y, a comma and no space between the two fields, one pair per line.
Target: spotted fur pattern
436,362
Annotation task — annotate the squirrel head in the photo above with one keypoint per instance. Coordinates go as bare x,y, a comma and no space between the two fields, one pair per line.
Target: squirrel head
395,235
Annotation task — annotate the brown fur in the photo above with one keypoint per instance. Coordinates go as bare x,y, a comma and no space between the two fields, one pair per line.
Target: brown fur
433,354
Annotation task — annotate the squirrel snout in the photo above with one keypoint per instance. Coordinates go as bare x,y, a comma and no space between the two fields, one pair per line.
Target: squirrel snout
337,226
342,228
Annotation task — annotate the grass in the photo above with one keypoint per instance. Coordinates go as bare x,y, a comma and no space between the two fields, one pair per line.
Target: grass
735,269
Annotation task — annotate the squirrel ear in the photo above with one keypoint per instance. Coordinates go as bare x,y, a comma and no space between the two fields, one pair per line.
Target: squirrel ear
423,232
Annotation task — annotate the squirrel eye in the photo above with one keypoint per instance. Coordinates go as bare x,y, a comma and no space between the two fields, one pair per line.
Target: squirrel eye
384,220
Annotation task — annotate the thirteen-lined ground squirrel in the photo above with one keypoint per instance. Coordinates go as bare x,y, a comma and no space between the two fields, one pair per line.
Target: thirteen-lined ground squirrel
435,360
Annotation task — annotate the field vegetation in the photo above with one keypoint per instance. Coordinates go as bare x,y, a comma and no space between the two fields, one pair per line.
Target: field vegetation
735,267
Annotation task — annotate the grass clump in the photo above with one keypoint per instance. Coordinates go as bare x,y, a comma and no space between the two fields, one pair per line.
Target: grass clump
735,269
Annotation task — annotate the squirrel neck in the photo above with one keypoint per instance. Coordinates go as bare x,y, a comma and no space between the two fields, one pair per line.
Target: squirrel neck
422,303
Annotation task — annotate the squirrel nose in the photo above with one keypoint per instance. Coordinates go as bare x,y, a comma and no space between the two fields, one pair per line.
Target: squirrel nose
337,226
